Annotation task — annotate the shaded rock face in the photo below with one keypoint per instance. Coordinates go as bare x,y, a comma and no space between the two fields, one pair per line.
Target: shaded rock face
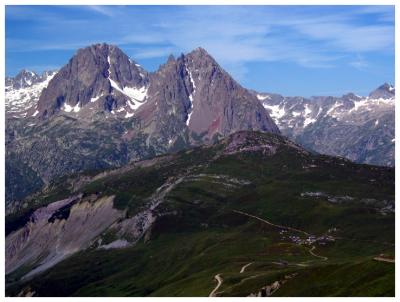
356,127
194,94
220,105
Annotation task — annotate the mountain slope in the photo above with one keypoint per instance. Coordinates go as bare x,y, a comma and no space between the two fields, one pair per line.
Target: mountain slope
103,110
252,198
358,128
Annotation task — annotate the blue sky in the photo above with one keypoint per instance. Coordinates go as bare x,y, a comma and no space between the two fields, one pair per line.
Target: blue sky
291,50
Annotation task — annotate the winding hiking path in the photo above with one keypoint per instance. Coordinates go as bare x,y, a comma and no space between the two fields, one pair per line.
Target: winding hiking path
219,280
311,251
270,223
245,266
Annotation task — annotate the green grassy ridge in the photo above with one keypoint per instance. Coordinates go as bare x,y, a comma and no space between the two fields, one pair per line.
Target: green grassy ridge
356,279
202,236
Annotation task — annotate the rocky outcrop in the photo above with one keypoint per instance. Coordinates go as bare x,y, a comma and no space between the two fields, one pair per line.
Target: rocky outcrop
57,231
269,290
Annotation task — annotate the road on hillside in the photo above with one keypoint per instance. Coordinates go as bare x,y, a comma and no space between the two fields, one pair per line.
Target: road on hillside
219,281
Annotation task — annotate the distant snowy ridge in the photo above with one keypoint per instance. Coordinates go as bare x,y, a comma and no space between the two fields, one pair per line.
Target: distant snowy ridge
23,92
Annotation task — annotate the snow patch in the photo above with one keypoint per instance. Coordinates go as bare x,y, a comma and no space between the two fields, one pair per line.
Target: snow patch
92,100
128,115
188,119
275,111
368,103
308,119
191,95
263,97
331,111
307,110
136,95
36,112
68,108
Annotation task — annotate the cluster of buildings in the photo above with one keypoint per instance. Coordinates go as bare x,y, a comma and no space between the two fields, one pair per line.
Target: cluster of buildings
311,239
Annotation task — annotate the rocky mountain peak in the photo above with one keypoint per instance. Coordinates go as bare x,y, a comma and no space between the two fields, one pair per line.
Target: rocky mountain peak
351,97
25,78
171,59
99,75
385,91
218,104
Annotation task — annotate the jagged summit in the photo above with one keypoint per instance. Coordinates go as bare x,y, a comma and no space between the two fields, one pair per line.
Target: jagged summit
202,96
100,76
25,78
385,91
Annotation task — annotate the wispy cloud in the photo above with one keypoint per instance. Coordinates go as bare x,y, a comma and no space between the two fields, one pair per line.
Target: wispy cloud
103,10
359,63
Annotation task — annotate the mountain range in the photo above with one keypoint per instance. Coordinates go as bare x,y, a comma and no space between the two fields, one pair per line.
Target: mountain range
358,128
104,110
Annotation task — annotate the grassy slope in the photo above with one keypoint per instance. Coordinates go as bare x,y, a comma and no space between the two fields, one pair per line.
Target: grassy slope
201,236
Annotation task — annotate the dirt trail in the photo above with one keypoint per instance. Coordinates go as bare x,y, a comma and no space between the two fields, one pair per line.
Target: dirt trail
382,259
270,223
245,266
219,280
315,255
